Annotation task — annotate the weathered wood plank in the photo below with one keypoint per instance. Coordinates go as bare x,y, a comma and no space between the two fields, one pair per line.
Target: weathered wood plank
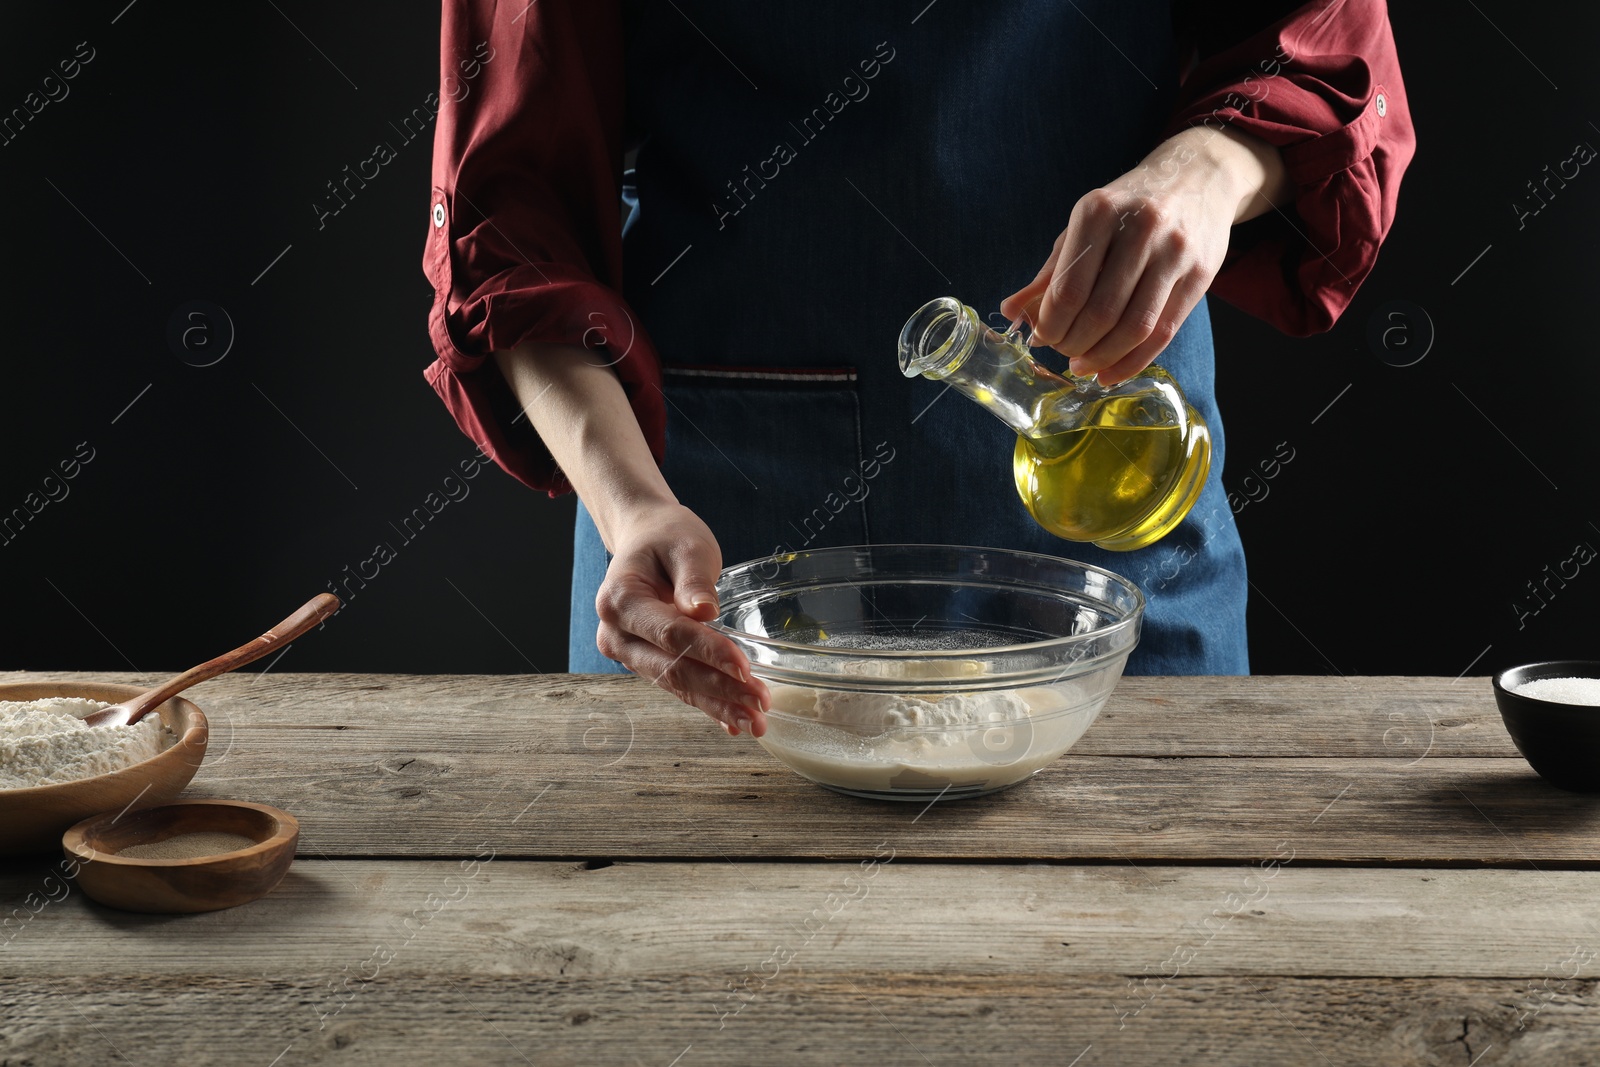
875,1017
561,767
648,962
633,920
593,715
428,802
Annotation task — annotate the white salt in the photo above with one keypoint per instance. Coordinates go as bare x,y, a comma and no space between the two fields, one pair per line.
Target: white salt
1562,690
46,742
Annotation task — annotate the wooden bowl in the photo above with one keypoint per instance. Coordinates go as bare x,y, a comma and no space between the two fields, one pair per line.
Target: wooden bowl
206,883
31,820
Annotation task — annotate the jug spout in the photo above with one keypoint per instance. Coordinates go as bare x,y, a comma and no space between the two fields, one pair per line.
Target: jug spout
946,341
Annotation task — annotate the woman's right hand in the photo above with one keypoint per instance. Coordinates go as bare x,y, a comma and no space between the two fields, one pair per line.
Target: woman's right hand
658,593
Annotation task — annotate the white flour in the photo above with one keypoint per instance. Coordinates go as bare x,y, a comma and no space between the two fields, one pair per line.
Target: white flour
45,742
902,742
869,714
895,741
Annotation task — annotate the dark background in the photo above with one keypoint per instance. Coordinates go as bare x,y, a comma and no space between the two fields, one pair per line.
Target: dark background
186,159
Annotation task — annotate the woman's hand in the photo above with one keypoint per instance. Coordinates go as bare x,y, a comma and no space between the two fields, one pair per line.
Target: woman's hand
661,586
1138,254
657,594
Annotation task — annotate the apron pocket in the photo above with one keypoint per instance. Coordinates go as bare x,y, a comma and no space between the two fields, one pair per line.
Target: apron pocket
771,458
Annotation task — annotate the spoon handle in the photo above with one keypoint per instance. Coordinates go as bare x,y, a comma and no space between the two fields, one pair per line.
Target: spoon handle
308,615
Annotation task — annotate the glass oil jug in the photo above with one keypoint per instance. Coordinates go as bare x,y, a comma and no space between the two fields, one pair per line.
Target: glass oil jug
1117,466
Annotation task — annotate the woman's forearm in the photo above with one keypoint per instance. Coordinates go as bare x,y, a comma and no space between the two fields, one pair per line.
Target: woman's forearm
1254,167
576,404
660,586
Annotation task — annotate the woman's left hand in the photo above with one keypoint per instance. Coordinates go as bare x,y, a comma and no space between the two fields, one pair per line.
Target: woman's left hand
1137,255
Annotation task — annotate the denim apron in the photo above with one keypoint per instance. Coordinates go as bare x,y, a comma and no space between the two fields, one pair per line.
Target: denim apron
807,176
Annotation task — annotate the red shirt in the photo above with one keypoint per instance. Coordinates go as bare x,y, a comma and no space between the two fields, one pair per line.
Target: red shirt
524,240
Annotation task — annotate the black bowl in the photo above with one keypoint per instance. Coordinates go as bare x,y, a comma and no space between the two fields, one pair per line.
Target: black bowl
1560,741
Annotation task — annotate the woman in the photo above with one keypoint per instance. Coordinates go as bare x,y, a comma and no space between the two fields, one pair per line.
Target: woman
717,378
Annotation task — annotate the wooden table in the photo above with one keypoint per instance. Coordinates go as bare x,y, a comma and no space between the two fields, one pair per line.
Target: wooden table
576,870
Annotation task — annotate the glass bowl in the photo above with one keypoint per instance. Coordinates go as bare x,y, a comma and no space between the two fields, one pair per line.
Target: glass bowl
916,672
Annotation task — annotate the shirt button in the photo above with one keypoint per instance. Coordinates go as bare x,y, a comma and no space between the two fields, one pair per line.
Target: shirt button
1383,106
438,209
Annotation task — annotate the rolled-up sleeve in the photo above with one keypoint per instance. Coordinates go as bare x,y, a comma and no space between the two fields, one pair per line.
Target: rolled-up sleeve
1323,85
524,228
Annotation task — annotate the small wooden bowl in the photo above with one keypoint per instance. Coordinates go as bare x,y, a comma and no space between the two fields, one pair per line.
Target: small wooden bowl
31,820
205,883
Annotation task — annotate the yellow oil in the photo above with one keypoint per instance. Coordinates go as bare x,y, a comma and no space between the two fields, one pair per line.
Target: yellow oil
1116,485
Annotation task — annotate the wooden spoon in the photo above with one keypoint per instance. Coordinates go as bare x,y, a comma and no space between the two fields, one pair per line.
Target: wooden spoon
310,614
